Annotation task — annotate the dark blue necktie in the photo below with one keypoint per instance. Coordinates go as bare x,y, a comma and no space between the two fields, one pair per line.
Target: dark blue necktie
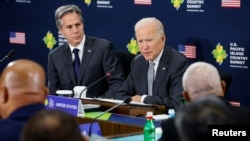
76,62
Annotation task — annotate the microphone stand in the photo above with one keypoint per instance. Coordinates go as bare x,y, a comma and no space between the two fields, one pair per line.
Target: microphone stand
125,101
8,56
80,96
3,59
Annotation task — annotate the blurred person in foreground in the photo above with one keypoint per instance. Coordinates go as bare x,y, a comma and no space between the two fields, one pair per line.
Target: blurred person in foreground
194,119
52,125
168,65
94,58
201,79
22,94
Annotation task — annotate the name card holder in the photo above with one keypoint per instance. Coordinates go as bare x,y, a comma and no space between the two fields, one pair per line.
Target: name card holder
70,105
86,127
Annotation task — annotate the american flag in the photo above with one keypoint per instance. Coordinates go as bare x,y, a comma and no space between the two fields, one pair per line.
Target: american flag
144,2
17,37
188,50
230,3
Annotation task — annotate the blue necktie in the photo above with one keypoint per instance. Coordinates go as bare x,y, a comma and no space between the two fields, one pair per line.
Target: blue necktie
76,62
150,78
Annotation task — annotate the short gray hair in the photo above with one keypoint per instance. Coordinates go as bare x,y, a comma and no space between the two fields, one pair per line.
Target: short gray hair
65,9
150,20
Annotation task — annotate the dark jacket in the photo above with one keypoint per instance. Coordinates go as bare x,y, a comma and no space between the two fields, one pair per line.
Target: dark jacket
241,116
11,127
99,57
167,87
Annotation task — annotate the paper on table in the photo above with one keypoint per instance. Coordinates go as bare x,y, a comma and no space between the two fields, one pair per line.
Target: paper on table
109,100
138,103
89,98
90,106
120,101
160,117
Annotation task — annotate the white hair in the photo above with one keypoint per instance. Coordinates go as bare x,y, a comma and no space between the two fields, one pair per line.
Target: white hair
150,20
202,78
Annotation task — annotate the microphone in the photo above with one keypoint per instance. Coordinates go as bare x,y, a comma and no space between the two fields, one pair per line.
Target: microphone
9,55
125,101
108,74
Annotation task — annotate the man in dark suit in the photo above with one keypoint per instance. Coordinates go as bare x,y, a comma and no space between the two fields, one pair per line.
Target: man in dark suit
94,58
193,119
201,79
169,66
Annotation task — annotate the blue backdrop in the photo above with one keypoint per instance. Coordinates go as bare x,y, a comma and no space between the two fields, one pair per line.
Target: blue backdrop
219,29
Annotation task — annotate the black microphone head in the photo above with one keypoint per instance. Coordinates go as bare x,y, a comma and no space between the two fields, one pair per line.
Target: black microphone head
10,54
127,100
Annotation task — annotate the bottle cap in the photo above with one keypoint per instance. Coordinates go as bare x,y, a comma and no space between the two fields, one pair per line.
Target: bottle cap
171,111
149,114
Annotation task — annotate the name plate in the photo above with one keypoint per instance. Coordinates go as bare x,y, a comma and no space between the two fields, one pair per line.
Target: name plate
70,105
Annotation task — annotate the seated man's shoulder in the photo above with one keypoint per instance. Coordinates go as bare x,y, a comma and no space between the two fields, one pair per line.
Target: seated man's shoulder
168,123
241,114
240,109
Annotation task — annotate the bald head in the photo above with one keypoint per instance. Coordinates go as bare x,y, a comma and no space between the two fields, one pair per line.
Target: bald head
201,78
22,74
22,82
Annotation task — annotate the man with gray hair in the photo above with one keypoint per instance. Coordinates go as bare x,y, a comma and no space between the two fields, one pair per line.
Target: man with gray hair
193,119
156,73
83,59
201,79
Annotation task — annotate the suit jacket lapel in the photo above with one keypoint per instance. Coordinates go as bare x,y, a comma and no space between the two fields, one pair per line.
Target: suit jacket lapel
87,55
161,70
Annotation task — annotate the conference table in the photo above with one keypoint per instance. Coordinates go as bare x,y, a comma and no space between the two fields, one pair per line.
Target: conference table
132,109
125,122
112,118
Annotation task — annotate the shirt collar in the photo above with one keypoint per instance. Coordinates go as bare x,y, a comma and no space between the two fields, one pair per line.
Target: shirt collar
80,46
157,59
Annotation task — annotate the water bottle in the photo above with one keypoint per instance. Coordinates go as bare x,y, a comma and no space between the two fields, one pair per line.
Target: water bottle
171,113
149,128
